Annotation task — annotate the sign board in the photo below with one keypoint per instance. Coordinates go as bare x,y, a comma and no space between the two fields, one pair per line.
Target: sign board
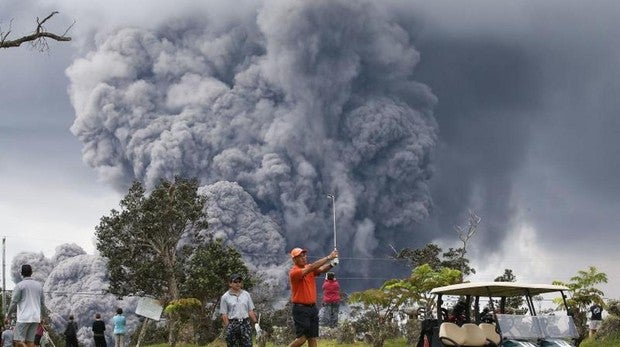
149,308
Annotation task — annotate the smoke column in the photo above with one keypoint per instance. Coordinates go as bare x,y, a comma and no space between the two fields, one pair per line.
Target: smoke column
74,283
271,110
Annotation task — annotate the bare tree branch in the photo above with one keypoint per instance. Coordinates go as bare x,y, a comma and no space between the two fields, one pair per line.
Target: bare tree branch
38,38
473,221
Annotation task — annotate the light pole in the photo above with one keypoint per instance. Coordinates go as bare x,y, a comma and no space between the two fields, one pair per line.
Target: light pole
333,197
4,305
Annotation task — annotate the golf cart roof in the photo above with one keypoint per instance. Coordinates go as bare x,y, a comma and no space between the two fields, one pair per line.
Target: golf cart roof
498,289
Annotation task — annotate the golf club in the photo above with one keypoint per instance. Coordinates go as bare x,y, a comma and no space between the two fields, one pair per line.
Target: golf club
333,197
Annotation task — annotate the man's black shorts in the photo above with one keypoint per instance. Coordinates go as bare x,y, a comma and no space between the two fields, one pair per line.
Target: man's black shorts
306,320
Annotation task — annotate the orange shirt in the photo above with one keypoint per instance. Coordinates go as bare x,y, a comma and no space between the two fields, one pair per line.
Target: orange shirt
303,288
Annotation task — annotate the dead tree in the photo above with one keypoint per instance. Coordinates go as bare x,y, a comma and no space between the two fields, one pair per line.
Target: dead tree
473,220
38,38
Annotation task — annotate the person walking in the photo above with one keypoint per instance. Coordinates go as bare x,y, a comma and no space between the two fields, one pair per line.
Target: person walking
331,299
71,333
99,331
596,317
303,294
29,305
237,310
7,336
119,321
38,335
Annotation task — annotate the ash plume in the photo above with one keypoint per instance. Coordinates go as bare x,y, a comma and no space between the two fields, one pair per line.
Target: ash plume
271,110
74,283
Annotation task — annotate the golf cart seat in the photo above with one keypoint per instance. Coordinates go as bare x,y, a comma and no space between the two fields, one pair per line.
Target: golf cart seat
469,335
491,333
474,336
451,334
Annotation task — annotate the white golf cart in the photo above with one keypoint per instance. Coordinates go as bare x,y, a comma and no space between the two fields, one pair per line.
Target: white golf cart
497,328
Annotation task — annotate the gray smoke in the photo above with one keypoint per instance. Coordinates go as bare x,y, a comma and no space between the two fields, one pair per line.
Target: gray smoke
292,102
74,284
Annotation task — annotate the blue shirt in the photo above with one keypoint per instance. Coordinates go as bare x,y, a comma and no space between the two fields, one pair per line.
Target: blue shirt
119,324
7,338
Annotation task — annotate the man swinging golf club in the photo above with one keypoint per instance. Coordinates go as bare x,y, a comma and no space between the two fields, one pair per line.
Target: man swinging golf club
303,294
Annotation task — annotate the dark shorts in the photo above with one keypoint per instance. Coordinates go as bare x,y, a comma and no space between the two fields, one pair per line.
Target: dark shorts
239,333
306,321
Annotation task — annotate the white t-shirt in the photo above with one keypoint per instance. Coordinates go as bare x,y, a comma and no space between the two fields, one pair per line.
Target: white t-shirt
28,296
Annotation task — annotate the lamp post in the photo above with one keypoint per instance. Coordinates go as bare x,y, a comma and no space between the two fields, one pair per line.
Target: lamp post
333,197
4,305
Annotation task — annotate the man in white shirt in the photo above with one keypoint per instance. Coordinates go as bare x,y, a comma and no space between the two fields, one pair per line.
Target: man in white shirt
237,309
28,301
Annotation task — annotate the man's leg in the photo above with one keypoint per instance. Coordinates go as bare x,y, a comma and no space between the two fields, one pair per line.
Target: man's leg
245,332
298,342
301,319
20,338
312,342
333,314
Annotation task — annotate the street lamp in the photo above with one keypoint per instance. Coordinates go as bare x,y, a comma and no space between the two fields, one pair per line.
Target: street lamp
333,197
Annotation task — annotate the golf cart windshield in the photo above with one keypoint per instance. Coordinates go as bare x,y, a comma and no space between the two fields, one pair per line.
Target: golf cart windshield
521,327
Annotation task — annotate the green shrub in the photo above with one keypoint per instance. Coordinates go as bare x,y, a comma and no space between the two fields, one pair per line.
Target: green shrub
346,332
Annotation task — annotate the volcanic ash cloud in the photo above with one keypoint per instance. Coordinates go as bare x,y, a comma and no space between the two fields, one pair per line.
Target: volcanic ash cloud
298,100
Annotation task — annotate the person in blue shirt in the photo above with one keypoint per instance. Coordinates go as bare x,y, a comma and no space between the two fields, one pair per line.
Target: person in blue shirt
118,321
7,336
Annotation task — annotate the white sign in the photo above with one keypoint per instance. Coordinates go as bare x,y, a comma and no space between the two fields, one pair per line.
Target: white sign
149,308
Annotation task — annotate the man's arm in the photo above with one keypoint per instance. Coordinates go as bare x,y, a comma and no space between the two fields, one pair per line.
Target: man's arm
321,265
223,310
15,298
252,315
325,268
251,308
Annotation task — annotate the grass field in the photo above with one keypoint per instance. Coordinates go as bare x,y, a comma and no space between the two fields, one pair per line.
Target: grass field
609,342
322,343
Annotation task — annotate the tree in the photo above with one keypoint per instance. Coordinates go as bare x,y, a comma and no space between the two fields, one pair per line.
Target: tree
583,292
208,272
514,303
381,305
384,302
465,234
422,280
429,254
145,240
454,258
38,38
210,268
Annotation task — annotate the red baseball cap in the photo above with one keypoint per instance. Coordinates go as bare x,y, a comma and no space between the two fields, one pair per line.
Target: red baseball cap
297,251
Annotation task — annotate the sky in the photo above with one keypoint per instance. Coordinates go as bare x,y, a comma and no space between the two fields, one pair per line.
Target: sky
413,112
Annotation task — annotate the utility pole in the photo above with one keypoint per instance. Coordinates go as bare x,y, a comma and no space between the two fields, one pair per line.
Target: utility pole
4,276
